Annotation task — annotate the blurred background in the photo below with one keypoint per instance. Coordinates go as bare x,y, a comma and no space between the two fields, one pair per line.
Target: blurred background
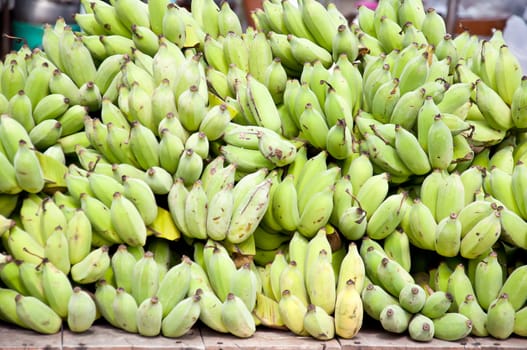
25,18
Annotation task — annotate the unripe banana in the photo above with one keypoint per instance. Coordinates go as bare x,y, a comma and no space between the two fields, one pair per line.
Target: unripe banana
387,216
440,144
518,102
452,326
500,317
28,171
292,311
22,246
149,317
30,275
244,285
481,237
471,309
513,287
249,212
19,108
125,219
56,249
437,304
375,299
459,285
392,276
421,328
92,267
395,319
125,310
318,323
412,298
495,111
36,315
236,317
8,312
422,225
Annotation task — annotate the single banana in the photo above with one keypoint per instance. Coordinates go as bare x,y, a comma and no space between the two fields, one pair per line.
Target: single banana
500,317
437,304
348,311
36,315
318,323
395,319
124,309
92,267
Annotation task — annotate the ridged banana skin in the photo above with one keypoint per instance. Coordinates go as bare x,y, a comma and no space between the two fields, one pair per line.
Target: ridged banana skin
500,317
488,269
418,162
471,309
244,284
82,311
127,220
123,263
19,243
448,236
149,317
387,216
210,313
348,311
196,211
236,317
452,326
459,285
249,213
412,298
513,287
125,310
395,319
392,276
481,237
421,328
28,171
375,299
27,280
278,265
57,288
372,192
145,282
92,267
292,311
8,313
9,183
422,225
36,315
352,267
519,99
179,275
319,23
318,323
440,144
322,295
437,304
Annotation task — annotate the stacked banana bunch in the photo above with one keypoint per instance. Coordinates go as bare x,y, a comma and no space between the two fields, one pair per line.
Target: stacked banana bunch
145,158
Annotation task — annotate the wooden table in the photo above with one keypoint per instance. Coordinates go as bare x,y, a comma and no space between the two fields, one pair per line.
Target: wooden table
102,337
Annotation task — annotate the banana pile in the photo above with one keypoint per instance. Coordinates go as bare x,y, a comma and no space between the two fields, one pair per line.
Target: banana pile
164,166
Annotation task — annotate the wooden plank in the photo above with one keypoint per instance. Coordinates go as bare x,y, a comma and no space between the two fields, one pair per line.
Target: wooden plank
13,337
382,340
513,343
101,337
265,338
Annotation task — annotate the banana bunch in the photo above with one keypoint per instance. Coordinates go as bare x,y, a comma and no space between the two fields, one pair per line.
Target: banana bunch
306,307
401,146
404,303
218,208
